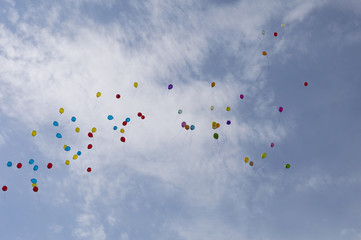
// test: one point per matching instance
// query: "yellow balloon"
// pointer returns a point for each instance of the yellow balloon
(65, 146)
(33, 133)
(212, 108)
(135, 84)
(264, 53)
(77, 129)
(246, 159)
(61, 110)
(99, 94)
(67, 162)
(228, 109)
(122, 130)
(33, 185)
(214, 124)
(251, 163)
(264, 155)
(75, 156)
(283, 25)
(94, 129)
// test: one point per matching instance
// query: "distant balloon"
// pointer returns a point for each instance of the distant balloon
(183, 124)
(275, 34)
(170, 86)
(35, 168)
(77, 129)
(251, 163)
(280, 109)
(94, 129)
(288, 166)
(50, 165)
(75, 157)
(67, 148)
(90, 146)
(135, 84)
(61, 110)
(241, 96)
(78, 153)
(180, 111)
(31, 161)
(35, 189)
(272, 145)
(122, 130)
(246, 159)
(110, 117)
(229, 122)
(115, 128)
(264, 53)
(55, 123)
(283, 25)
(9, 164)
(122, 139)
(228, 109)
(73, 119)
(306, 84)
(215, 136)
(264, 155)
(139, 114)
(192, 127)
(212, 108)
(124, 123)
(33, 133)
(99, 94)
(67, 162)
(33, 184)
(88, 169)
(213, 84)
(186, 127)
(90, 134)
(263, 32)
(19, 165)
(142, 117)
(4, 188)
(117, 96)
(58, 135)
(33, 180)
(127, 119)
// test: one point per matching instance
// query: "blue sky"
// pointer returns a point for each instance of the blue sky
(165, 182)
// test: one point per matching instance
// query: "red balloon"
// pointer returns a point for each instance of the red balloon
(280, 109)
(90, 146)
(275, 34)
(306, 84)
(272, 145)
(122, 139)
(117, 96)
(4, 188)
(50, 165)
(19, 165)
(35, 189)
(140, 114)
(143, 117)
(89, 169)
(90, 134)
(124, 123)
(241, 96)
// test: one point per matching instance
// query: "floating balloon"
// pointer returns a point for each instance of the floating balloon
(246, 159)
(77, 129)
(215, 136)
(127, 119)
(61, 110)
(124, 123)
(192, 127)
(9, 164)
(90, 146)
(33, 184)
(115, 128)
(135, 84)
(110, 117)
(283, 25)
(33, 133)
(35, 189)
(187, 127)
(275, 34)
(142, 117)
(67, 162)
(49, 166)
(180, 111)
(263, 32)
(19, 165)
(122, 130)
(183, 124)
(218, 125)
(88, 169)
(35, 168)
(272, 145)
(288, 166)
(213, 84)
(170, 86)
(264, 155)
(4, 188)
(122, 139)
(58, 135)
(212, 108)
(90, 134)
(140, 114)
(94, 129)
(214, 125)
(55, 123)
(306, 84)
(228, 109)
(229, 122)
(73, 119)
(241, 96)
(99, 94)
(251, 163)
(75, 157)
(78, 153)
(117, 96)
(33, 180)
(67, 148)
(31, 161)
(280, 109)
(264, 53)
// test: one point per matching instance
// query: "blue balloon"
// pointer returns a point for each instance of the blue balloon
(35, 167)
(115, 127)
(9, 164)
(73, 119)
(31, 161)
(127, 119)
(67, 148)
(58, 135)
(110, 117)
(33, 180)
(78, 153)
(55, 123)
(192, 127)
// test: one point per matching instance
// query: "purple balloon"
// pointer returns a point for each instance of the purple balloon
(241, 96)
(228, 122)
(183, 124)
(272, 145)
(170, 86)
(280, 109)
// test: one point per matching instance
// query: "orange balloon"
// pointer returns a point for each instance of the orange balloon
(264, 53)
(213, 84)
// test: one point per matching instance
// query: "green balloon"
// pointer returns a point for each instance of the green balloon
(180, 111)
(288, 165)
(263, 32)
(215, 136)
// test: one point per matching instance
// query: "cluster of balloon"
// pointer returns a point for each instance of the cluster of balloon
(187, 127)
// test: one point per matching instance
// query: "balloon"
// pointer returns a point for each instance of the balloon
(215, 136)
(122, 130)
(213, 84)
(35, 189)
(33, 133)
(218, 125)
(75, 157)
(180, 111)
(264, 155)
(9, 164)
(143, 117)
(280, 109)
(88, 169)
(110, 117)
(94, 129)
(67, 162)
(246, 159)
(135, 84)
(212, 108)
(67, 148)
(288, 166)
(35, 168)
(306, 84)
(55, 123)
(241, 96)
(19, 165)
(50, 165)
(90, 146)
(115, 128)
(58, 135)
(264, 53)
(229, 122)
(263, 32)
(183, 124)
(124, 123)
(170, 86)
(78, 153)
(192, 127)
(33, 180)
(127, 119)
(99, 94)
(61, 110)
(214, 125)
(272, 145)
(117, 96)
(283, 25)
(31, 161)
(90, 134)
(73, 119)
(4, 188)
(33, 184)
(251, 163)
(186, 127)
(275, 34)
(228, 109)
(122, 139)
(77, 129)
(139, 114)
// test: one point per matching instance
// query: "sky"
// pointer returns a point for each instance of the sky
(165, 182)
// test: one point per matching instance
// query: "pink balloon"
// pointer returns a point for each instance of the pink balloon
(241, 96)
(184, 124)
(272, 145)
(280, 109)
